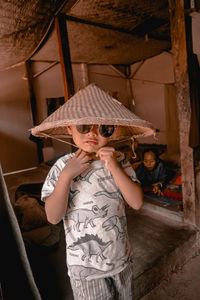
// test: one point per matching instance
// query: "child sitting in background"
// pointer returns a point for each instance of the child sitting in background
(152, 172)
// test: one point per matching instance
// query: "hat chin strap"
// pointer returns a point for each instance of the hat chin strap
(114, 143)
(133, 148)
(57, 139)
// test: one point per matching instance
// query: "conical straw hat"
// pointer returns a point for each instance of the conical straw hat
(92, 105)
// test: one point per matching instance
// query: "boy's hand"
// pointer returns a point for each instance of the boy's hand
(157, 189)
(108, 154)
(77, 164)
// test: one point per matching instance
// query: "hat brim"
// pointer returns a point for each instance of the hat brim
(56, 130)
(92, 105)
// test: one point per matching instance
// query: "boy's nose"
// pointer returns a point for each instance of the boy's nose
(94, 129)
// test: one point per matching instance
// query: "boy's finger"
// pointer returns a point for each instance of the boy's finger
(105, 150)
(85, 159)
(81, 154)
(77, 153)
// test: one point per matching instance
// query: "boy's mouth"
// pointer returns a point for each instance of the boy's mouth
(149, 168)
(92, 142)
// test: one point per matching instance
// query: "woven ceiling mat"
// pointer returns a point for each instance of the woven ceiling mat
(123, 32)
(92, 105)
(126, 14)
(23, 24)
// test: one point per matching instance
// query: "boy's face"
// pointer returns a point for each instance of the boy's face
(149, 160)
(89, 142)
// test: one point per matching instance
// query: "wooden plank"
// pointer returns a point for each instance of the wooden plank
(29, 77)
(65, 59)
(179, 52)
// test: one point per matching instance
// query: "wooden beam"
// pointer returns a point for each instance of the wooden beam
(179, 51)
(51, 65)
(147, 26)
(29, 77)
(37, 140)
(64, 52)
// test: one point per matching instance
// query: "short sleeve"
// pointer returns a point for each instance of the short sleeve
(52, 176)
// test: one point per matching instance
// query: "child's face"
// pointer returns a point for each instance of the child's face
(149, 160)
(89, 142)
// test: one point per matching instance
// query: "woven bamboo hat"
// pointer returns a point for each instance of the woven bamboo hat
(92, 105)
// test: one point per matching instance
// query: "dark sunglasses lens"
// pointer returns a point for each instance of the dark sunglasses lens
(106, 130)
(83, 128)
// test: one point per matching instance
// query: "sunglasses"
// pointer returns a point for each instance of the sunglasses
(104, 130)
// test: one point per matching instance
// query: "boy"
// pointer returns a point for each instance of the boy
(89, 194)
(87, 190)
(152, 173)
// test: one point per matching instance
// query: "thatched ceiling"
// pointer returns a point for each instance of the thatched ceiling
(100, 31)
(23, 25)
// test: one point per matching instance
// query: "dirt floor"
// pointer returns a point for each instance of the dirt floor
(182, 285)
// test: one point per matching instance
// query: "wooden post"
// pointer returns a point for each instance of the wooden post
(29, 76)
(33, 103)
(178, 37)
(65, 59)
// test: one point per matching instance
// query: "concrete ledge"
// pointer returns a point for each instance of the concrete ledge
(160, 248)
(162, 211)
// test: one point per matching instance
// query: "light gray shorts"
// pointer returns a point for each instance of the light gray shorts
(117, 287)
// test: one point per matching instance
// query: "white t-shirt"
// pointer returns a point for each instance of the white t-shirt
(97, 242)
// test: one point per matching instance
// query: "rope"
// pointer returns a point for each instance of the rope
(116, 142)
